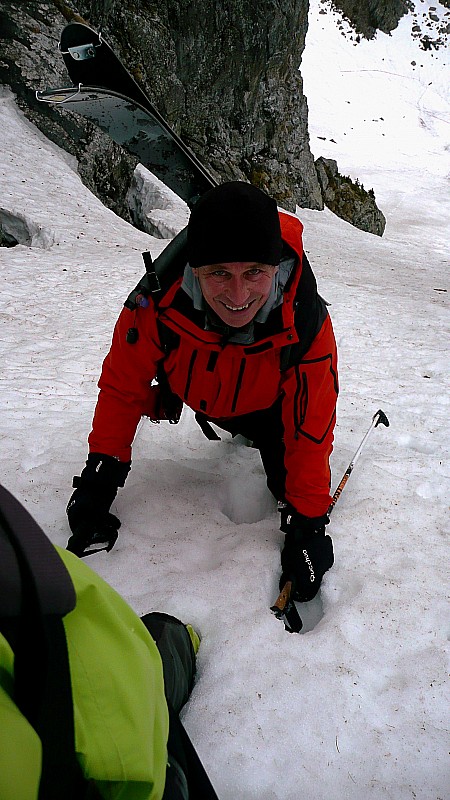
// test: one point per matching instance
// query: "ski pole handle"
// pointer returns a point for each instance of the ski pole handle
(284, 597)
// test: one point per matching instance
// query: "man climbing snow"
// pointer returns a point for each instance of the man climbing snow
(242, 337)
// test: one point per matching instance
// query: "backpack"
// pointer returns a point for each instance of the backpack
(36, 593)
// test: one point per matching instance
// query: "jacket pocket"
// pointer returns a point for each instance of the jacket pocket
(315, 398)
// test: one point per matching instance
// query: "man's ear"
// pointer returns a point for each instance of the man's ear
(195, 271)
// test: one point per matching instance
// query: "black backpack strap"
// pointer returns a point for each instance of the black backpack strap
(208, 430)
(171, 404)
(39, 592)
(161, 273)
(185, 754)
(310, 313)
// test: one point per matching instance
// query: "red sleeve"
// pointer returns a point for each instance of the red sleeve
(309, 414)
(124, 384)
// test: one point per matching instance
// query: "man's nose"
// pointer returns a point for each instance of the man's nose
(238, 290)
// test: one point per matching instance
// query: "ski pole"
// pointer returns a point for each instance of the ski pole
(284, 606)
(378, 418)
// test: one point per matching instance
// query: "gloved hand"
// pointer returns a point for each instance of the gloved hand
(93, 527)
(307, 553)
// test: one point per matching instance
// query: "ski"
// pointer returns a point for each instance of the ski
(104, 92)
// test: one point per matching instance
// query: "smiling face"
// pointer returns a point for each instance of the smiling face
(236, 290)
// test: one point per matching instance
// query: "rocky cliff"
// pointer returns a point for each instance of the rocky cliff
(223, 72)
(225, 75)
(369, 16)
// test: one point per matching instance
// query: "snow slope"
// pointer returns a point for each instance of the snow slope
(354, 707)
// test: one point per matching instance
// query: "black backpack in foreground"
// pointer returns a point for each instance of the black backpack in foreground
(36, 593)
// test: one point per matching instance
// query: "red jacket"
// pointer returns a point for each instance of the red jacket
(227, 380)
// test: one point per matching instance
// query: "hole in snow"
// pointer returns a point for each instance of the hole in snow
(246, 500)
(6, 240)
(16, 228)
(154, 207)
(310, 613)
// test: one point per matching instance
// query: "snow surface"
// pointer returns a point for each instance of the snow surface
(355, 707)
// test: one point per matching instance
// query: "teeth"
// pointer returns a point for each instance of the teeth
(236, 308)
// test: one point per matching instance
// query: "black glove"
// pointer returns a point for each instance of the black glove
(307, 553)
(93, 527)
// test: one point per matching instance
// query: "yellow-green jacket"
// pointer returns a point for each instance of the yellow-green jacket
(120, 712)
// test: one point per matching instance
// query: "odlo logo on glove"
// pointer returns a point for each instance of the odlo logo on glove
(307, 553)
(312, 577)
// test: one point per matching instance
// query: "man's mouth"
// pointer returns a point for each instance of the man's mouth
(238, 308)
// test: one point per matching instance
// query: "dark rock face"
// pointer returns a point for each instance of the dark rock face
(224, 74)
(368, 16)
(349, 200)
(432, 30)
(30, 60)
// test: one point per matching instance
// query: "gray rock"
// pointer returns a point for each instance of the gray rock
(348, 199)
(225, 76)
(368, 16)
(30, 60)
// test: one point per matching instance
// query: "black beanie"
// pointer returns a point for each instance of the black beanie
(234, 222)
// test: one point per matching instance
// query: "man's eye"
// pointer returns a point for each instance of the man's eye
(254, 271)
